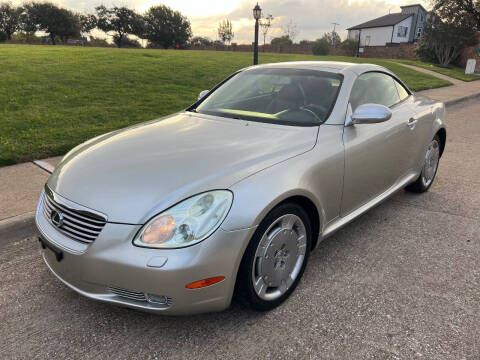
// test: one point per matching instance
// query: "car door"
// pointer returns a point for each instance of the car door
(376, 155)
(419, 126)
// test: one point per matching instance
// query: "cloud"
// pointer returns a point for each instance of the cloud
(312, 17)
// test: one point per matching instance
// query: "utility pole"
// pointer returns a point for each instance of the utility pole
(334, 26)
(333, 33)
(358, 45)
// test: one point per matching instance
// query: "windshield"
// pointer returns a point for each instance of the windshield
(277, 95)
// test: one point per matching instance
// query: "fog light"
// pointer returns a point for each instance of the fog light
(157, 299)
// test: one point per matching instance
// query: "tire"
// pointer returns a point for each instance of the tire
(275, 258)
(429, 169)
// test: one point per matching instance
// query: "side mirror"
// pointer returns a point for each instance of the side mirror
(369, 114)
(203, 94)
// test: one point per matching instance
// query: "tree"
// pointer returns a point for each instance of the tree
(88, 22)
(290, 30)
(55, 21)
(225, 31)
(332, 38)
(281, 41)
(265, 25)
(445, 37)
(28, 21)
(166, 28)
(10, 19)
(321, 46)
(458, 11)
(121, 21)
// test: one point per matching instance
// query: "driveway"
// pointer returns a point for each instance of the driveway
(401, 282)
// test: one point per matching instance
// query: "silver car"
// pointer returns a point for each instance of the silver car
(230, 196)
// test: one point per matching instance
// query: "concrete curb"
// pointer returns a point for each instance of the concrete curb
(460, 99)
(16, 219)
(17, 227)
(44, 166)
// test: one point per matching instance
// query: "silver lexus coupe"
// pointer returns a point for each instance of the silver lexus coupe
(229, 197)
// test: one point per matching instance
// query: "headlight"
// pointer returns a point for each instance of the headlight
(186, 223)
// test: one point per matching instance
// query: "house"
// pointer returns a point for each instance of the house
(402, 27)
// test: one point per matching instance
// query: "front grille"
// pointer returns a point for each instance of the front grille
(78, 225)
(128, 294)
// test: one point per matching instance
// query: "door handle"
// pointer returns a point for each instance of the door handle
(412, 122)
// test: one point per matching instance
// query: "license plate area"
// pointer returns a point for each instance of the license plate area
(46, 245)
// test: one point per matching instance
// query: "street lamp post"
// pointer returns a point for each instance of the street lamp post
(257, 13)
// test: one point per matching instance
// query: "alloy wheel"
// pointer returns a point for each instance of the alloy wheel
(432, 156)
(279, 257)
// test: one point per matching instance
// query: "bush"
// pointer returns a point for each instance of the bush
(350, 46)
(306, 42)
(425, 51)
(200, 41)
(3, 37)
(26, 38)
(282, 41)
(126, 42)
(321, 47)
(98, 42)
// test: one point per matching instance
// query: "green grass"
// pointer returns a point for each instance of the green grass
(53, 98)
(454, 71)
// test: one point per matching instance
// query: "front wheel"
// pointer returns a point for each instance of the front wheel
(276, 257)
(430, 167)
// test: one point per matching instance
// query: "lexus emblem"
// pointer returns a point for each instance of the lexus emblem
(57, 218)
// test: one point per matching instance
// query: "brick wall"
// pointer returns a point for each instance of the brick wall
(287, 49)
(404, 51)
(394, 51)
(391, 51)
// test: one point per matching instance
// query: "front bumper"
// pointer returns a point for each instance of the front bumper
(112, 269)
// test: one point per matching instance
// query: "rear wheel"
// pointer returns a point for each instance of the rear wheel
(276, 257)
(430, 167)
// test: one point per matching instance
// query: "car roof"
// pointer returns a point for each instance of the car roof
(331, 66)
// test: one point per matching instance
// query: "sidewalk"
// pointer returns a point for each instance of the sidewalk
(21, 185)
(461, 90)
(456, 93)
(20, 188)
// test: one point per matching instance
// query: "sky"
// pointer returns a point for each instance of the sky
(312, 17)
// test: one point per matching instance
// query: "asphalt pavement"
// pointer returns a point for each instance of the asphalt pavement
(400, 282)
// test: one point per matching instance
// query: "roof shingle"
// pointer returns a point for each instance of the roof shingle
(387, 20)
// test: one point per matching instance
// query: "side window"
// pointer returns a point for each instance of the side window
(402, 92)
(374, 88)
(402, 31)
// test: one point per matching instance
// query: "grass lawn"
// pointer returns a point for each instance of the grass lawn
(53, 98)
(454, 71)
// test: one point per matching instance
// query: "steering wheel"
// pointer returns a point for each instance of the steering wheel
(318, 111)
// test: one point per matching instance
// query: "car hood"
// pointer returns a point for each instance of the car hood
(132, 174)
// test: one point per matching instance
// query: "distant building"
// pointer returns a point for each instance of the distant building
(406, 26)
